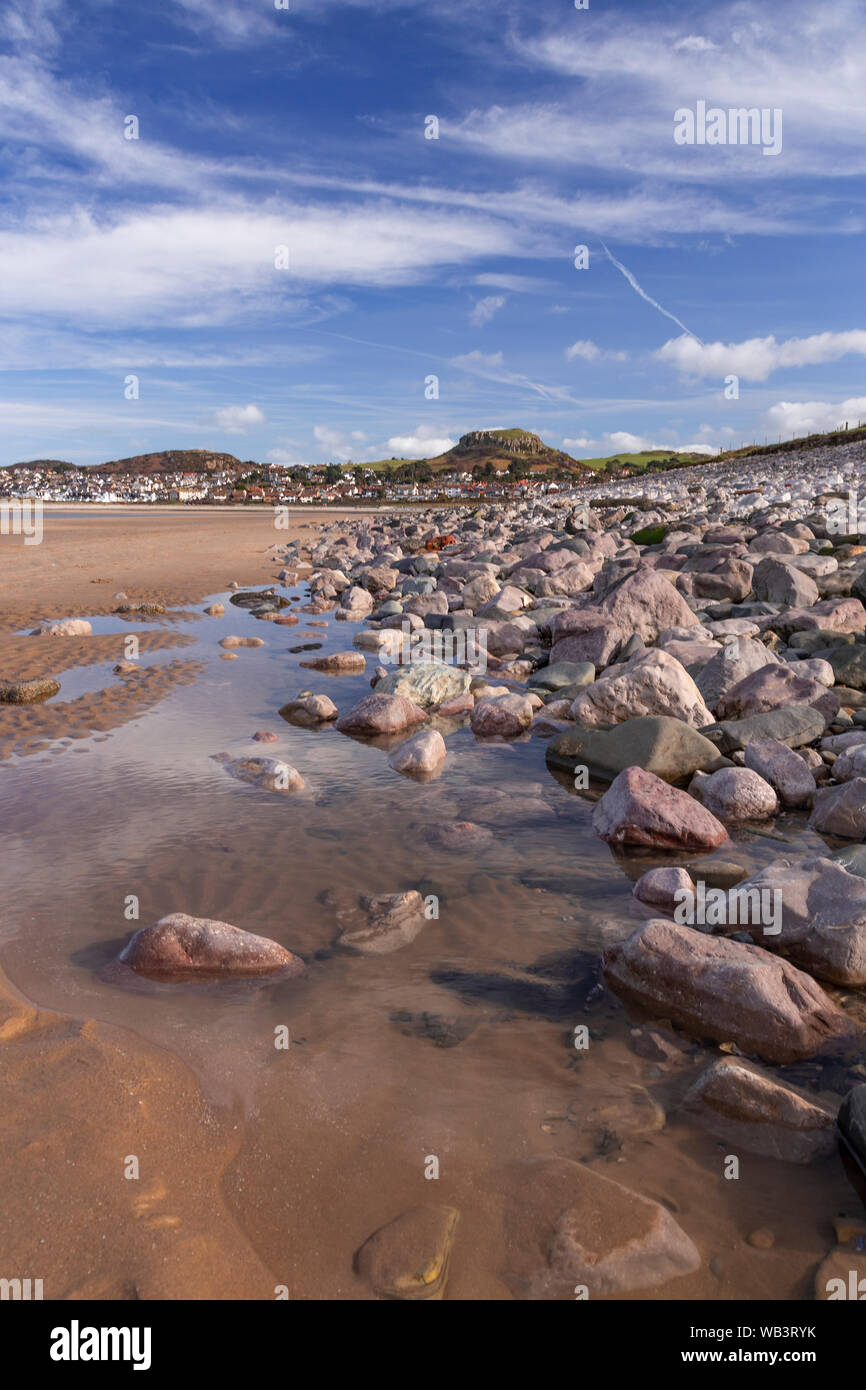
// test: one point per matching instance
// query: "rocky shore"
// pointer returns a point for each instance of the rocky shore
(693, 653)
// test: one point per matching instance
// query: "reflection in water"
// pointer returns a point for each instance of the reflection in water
(459, 1045)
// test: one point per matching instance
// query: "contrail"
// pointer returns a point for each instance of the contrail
(643, 294)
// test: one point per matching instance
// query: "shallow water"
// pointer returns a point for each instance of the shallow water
(395, 1058)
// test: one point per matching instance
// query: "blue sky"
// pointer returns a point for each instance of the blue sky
(410, 257)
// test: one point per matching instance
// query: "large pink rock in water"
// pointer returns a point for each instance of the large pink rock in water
(638, 808)
(716, 988)
(179, 946)
(381, 714)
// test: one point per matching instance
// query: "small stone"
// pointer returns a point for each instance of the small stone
(409, 1258)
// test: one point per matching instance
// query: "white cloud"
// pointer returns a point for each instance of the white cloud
(237, 419)
(582, 443)
(591, 352)
(340, 445)
(424, 443)
(814, 417)
(756, 358)
(520, 284)
(484, 309)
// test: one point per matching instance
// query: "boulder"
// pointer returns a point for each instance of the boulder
(787, 773)
(661, 745)
(338, 663)
(571, 1227)
(380, 715)
(659, 888)
(841, 810)
(382, 924)
(409, 1258)
(64, 627)
(640, 809)
(748, 1108)
(822, 917)
(716, 988)
(426, 683)
(653, 682)
(268, 773)
(179, 946)
(736, 794)
(776, 687)
(30, 692)
(775, 582)
(503, 716)
(422, 754)
(735, 661)
(309, 710)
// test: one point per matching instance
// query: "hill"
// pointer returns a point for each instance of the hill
(502, 448)
(172, 461)
(49, 465)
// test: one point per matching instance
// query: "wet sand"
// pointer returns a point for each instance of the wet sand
(261, 1167)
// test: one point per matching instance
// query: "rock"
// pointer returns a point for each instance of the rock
(841, 810)
(652, 683)
(380, 714)
(728, 667)
(230, 642)
(264, 736)
(646, 603)
(409, 1257)
(30, 692)
(383, 924)
(179, 946)
(776, 582)
(717, 988)
(736, 794)
(338, 663)
(716, 873)
(661, 745)
(852, 858)
(216, 610)
(459, 705)
(426, 683)
(786, 772)
(228, 656)
(795, 726)
(503, 716)
(422, 753)
(658, 888)
(849, 665)
(455, 837)
(309, 710)
(570, 1227)
(562, 673)
(64, 627)
(776, 687)
(822, 925)
(762, 1238)
(357, 601)
(268, 773)
(749, 1109)
(842, 1275)
(640, 809)
(126, 668)
(852, 1123)
(149, 610)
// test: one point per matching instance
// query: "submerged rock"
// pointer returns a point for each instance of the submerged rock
(180, 946)
(569, 1226)
(409, 1257)
(716, 988)
(382, 924)
(269, 773)
(749, 1108)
